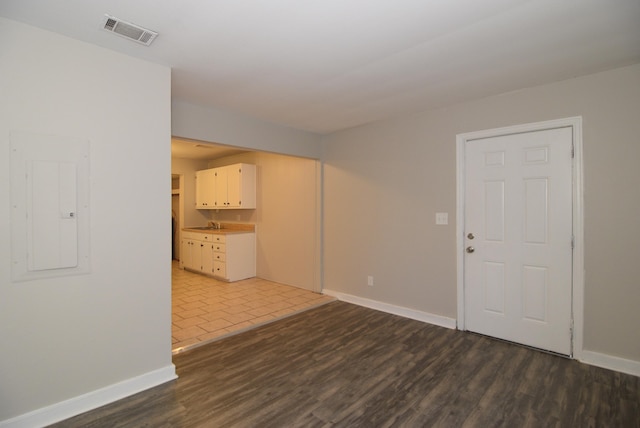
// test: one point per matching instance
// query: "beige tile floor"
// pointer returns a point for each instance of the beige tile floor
(205, 309)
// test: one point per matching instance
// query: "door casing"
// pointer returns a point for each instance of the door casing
(578, 216)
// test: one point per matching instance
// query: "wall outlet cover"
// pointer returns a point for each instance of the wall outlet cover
(442, 218)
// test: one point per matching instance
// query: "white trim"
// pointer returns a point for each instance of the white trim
(318, 256)
(413, 314)
(92, 400)
(460, 180)
(578, 216)
(610, 362)
(578, 232)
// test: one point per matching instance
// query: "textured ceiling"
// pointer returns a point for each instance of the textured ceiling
(327, 65)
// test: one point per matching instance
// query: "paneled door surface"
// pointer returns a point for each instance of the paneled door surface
(518, 238)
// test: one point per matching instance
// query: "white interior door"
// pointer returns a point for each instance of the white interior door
(518, 238)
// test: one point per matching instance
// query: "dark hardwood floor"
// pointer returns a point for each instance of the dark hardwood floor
(346, 366)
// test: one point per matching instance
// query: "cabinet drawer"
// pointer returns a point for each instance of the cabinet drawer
(192, 235)
(219, 238)
(220, 269)
(219, 257)
(219, 248)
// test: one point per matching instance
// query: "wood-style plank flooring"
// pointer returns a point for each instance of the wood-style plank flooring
(342, 365)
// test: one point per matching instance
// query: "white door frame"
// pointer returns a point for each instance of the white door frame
(578, 216)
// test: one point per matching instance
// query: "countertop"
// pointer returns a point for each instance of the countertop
(225, 229)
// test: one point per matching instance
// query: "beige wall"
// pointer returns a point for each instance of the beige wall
(287, 218)
(217, 126)
(385, 181)
(68, 337)
(185, 202)
(187, 168)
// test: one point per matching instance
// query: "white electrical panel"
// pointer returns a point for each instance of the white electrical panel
(49, 206)
(52, 225)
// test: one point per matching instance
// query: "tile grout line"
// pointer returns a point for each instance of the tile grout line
(199, 302)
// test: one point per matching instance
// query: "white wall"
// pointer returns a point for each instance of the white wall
(287, 218)
(68, 338)
(385, 181)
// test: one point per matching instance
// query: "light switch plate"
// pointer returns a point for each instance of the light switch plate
(442, 218)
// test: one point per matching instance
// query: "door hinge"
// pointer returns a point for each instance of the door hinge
(573, 242)
(571, 330)
(573, 151)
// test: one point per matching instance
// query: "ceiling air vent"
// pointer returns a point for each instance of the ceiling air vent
(128, 30)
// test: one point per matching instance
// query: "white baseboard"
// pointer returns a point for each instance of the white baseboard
(610, 362)
(587, 357)
(438, 320)
(92, 400)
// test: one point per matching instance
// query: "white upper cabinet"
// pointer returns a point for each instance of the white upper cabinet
(205, 180)
(220, 190)
(241, 186)
(227, 187)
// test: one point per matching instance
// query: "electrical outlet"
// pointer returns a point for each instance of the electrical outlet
(370, 281)
(442, 218)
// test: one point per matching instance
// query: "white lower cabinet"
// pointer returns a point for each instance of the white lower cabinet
(197, 252)
(229, 257)
(207, 258)
(234, 256)
(188, 259)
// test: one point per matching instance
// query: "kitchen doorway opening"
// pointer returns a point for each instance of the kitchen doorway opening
(288, 243)
(177, 213)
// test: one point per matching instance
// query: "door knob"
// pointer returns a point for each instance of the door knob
(470, 236)
(470, 249)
